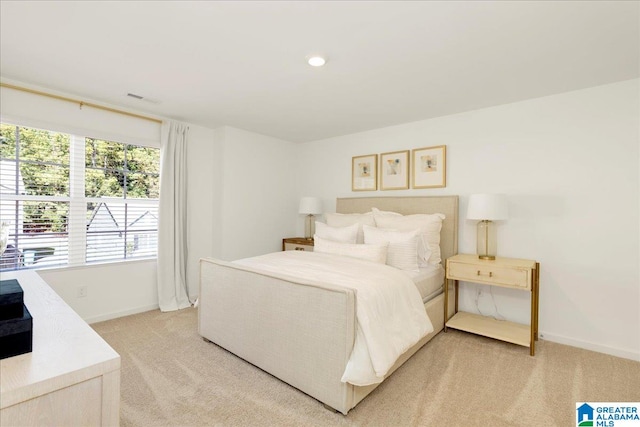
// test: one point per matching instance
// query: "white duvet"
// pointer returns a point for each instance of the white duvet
(391, 317)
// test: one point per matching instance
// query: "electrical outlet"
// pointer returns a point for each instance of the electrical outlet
(82, 292)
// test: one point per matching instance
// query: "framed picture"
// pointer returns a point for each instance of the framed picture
(394, 170)
(429, 167)
(364, 173)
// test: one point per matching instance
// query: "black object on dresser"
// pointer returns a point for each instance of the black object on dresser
(16, 324)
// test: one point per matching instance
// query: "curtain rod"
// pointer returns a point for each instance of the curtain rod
(81, 103)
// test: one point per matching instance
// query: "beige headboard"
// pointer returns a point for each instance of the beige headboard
(447, 205)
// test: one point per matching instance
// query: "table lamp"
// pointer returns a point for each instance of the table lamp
(310, 206)
(487, 208)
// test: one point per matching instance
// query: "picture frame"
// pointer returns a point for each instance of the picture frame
(394, 170)
(429, 166)
(364, 173)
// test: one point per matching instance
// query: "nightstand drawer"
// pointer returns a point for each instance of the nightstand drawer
(512, 277)
(297, 247)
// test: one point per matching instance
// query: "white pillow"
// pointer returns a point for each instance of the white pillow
(374, 253)
(403, 246)
(342, 220)
(347, 234)
(378, 212)
(429, 226)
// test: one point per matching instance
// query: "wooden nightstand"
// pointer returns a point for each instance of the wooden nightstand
(297, 244)
(511, 273)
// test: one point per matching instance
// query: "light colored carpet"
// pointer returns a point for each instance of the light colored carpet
(171, 377)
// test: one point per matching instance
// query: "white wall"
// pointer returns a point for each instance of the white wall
(257, 202)
(201, 201)
(37, 111)
(113, 290)
(569, 164)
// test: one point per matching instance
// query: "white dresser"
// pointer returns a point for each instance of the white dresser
(72, 376)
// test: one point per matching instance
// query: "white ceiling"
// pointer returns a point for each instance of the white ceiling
(243, 63)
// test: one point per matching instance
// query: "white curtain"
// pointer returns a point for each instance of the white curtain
(173, 291)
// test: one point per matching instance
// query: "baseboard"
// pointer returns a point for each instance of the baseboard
(115, 315)
(613, 351)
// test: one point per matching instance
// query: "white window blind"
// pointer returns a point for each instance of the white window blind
(71, 200)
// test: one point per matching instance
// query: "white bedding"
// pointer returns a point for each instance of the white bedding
(429, 281)
(389, 309)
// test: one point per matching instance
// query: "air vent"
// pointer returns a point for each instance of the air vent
(142, 98)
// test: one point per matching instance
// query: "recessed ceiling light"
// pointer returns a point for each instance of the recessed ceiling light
(316, 61)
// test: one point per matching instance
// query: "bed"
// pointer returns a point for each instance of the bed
(303, 331)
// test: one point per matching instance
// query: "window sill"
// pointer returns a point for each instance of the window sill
(97, 265)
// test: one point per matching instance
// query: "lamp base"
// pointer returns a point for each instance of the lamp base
(309, 227)
(487, 241)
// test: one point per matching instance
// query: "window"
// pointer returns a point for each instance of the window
(72, 200)
(121, 186)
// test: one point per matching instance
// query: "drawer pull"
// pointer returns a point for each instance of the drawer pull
(490, 273)
(299, 248)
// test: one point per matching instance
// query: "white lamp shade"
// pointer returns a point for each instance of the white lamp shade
(491, 207)
(310, 205)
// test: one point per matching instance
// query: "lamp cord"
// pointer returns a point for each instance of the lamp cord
(478, 291)
(497, 315)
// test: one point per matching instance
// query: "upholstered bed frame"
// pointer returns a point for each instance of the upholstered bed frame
(303, 331)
